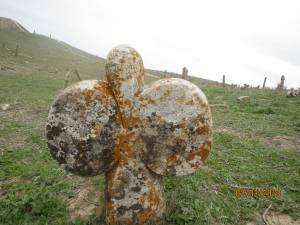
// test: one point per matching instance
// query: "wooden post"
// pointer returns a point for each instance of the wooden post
(3, 45)
(17, 50)
(78, 74)
(282, 81)
(67, 78)
(224, 80)
(264, 84)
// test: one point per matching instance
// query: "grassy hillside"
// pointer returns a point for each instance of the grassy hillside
(45, 55)
(9, 24)
(256, 145)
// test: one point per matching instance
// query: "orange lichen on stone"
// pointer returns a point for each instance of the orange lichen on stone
(203, 130)
(171, 160)
(196, 165)
(204, 150)
(124, 146)
(192, 156)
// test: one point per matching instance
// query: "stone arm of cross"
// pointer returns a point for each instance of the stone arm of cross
(131, 134)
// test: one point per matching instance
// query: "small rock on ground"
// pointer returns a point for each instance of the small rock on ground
(243, 99)
(5, 107)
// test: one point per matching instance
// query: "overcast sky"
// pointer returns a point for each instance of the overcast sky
(246, 40)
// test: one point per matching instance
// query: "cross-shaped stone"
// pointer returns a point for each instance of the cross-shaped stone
(131, 134)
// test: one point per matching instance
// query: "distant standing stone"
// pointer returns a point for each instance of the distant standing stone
(185, 73)
(280, 86)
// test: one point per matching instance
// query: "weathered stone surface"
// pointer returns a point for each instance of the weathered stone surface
(293, 93)
(132, 135)
(176, 127)
(134, 195)
(82, 126)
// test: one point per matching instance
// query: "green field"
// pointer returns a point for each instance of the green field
(256, 145)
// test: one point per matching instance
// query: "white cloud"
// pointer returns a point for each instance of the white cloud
(245, 40)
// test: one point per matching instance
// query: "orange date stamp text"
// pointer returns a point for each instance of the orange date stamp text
(258, 192)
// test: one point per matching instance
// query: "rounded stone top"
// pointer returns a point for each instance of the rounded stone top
(125, 71)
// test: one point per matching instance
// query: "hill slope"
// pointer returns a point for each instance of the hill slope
(10, 24)
(41, 53)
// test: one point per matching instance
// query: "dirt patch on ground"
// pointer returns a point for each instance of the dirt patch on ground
(282, 142)
(86, 201)
(230, 131)
(17, 141)
(273, 218)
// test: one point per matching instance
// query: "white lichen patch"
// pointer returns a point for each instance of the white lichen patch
(82, 117)
(177, 126)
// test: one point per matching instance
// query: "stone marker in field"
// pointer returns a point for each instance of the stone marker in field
(280, 86)
(131, 134)
(184, 73)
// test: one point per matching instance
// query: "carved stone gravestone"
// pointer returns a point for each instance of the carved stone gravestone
(132, 135)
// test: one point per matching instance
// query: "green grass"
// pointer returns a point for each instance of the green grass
(48, 55)
(234, 162)
(34, 190)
